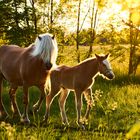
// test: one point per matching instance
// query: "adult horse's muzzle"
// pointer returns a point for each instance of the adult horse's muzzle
(48, 65)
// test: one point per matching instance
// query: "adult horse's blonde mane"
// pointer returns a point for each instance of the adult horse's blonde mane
(46, 48)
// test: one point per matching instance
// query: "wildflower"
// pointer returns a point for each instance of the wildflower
(98, 95)
(114, 106)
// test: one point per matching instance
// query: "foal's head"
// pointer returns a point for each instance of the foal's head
(104, 66)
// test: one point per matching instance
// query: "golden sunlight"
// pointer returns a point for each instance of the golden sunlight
(57, 1)
(133, 3)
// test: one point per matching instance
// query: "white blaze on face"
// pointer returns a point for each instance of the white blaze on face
(107, 64)
(109, 69)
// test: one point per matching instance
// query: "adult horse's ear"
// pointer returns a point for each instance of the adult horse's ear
(39, 38)
(53, 36)
(106, 56)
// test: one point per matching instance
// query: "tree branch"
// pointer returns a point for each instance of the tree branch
(131, 25)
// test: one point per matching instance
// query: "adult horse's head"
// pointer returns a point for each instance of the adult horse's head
(46, 48)
(104, 66)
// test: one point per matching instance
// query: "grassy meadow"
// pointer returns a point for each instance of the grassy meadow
(114, 116)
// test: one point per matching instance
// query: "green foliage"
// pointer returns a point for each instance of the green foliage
(84, 38)
(14, 17)
(111, 36)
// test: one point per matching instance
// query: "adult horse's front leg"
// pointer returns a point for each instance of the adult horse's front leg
(26, 105)
(37, 105)
(3, 113)
(15, 109)
(62, 100)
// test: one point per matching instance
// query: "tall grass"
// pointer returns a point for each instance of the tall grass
(114, 115)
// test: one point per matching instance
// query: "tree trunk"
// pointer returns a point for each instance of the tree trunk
(26, 15)
(16, 14)
(77, 34)
(51, 17)
(130, 71)
(34, 15)
(92, 31)
(16, 27)
(132, 48)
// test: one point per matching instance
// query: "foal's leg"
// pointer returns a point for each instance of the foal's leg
(26, 105)
(3, 113)
(12, 93)
(62, 100)
(49, 99)
(37, 105)
(89, 99)
(78, 101)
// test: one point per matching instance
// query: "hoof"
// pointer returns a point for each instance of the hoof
(35, 109)
(25, 121)
(44, 122)
(65, 124)
(81, 125)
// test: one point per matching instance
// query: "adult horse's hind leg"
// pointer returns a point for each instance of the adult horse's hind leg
(62, 100)
(3, 113)
(26, 105)
(12, 93)
(37, 105)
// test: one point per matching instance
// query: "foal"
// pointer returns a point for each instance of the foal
(80, 79)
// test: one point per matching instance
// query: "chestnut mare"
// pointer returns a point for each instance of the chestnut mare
(27, 67)
(79, 78)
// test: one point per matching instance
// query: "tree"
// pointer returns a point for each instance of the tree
(78, 31)
(94, 7)
(16, 22)
(14, 28)
(34, 16)
(97, 5)
(133, 23)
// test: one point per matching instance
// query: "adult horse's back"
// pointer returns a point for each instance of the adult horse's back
(27, 67)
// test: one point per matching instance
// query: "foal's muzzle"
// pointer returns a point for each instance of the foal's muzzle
(110, 75)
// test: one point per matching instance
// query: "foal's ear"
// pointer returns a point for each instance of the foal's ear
(39, 38)
(97, 56)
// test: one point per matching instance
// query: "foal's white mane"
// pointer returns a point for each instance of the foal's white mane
(46, 48)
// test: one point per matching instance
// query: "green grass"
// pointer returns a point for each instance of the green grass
(114, 116)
